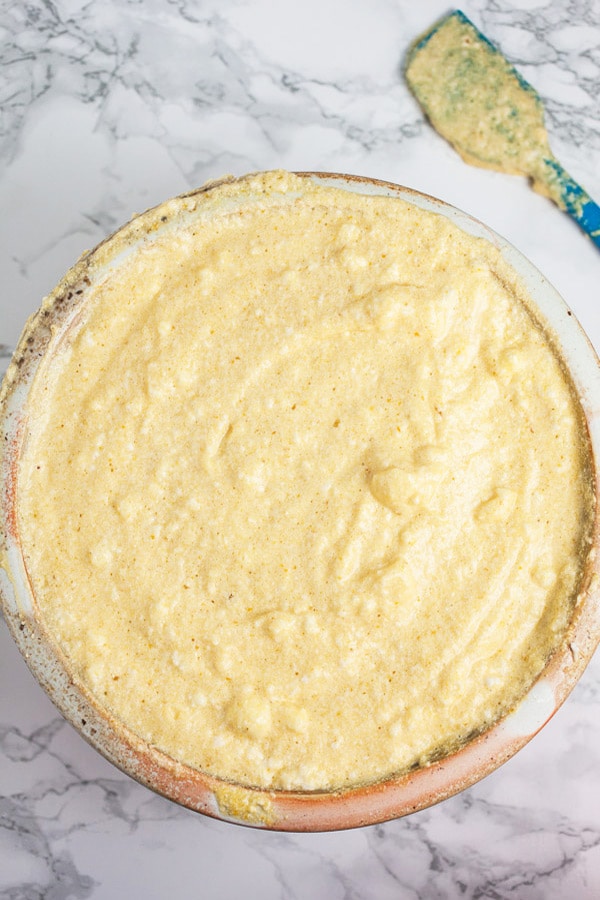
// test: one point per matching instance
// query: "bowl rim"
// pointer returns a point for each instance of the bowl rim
(313, 811)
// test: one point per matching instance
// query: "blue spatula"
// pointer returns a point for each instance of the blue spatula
(478, 101)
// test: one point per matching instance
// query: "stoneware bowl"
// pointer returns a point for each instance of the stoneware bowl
(291, 811)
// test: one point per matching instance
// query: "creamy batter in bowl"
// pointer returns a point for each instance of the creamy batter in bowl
(299, 500)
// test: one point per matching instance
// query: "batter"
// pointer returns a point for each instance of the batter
(304, 494)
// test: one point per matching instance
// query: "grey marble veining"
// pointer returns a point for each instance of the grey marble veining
(108, 107)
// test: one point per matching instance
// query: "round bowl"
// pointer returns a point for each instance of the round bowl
(284, 810)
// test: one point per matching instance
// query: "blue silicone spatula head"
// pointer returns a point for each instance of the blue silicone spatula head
(478, 101)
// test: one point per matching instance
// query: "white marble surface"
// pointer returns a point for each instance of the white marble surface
(109, 106)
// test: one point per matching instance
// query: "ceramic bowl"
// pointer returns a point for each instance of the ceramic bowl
(292, 811)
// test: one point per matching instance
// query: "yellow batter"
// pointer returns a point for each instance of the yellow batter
(304, 495)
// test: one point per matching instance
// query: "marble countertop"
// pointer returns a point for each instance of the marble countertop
(109, 107)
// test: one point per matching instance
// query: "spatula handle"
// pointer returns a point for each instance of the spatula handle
(571, 197)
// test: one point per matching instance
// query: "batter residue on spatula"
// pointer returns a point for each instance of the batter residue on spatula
(477, 101)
